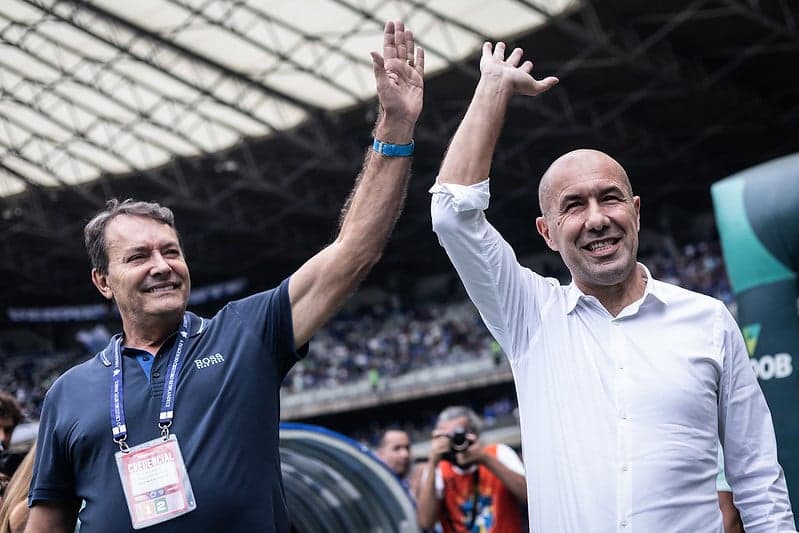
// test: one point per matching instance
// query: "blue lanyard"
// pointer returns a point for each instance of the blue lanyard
(118, 427)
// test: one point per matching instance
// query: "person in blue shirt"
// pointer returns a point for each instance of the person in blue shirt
(174, 425)
(394, 449)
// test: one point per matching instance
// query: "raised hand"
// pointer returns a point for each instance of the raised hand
(439, 445)
(508, 72)
(473, 454)
(399, 74)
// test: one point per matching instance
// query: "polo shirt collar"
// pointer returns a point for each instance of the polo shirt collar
(653, 290)
(197, 326)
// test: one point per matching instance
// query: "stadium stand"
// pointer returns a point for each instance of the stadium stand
(257, 152)
(416, 350)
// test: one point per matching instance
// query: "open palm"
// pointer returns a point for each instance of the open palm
(512, 75)
(399, 73)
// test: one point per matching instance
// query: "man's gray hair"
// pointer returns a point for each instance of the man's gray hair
(94, 232)
(459, 411)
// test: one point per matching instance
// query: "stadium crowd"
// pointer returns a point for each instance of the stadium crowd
(394, 339)
(377, 341)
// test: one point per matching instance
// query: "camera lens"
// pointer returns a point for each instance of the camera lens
(458, 441)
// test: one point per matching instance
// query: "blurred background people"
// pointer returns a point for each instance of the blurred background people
(10, 417)
(14, 508)
(394, 449)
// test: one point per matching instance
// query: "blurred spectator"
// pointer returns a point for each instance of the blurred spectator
(93, 339)
(14, 507)
(394, 449)
(374, 379)
(10, 417)
(385, 339)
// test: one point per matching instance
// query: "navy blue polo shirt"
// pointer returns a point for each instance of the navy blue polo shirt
(226, 419)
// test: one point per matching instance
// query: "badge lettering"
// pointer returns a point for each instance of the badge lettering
(155, 460)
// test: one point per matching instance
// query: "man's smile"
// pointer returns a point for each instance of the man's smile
(601, 246)
(162, 287)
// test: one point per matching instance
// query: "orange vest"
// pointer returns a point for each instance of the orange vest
(497, 509)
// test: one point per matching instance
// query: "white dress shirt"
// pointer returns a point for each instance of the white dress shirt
(620, 416)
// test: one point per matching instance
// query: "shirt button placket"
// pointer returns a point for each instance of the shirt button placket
(624, 479)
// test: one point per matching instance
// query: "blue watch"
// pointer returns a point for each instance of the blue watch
(393, 150)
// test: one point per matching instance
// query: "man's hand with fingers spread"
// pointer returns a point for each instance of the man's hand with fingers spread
(509, 73)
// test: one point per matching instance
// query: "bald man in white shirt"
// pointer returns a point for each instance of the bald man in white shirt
(625, 383)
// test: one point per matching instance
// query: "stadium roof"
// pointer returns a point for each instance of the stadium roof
(250, 118)
(110, 87)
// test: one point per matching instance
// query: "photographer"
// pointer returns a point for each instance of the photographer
(474, 488)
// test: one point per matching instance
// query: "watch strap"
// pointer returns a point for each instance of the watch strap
(393, 150)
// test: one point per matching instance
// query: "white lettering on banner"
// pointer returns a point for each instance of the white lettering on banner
(775, 366)
(205, 362)
(155, 460)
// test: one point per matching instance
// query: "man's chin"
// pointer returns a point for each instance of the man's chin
(167, 310)
(610, 273)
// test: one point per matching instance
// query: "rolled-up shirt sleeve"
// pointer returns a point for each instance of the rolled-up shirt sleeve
(747, 436)
(498, 285)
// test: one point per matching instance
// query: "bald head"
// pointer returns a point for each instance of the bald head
(591, 218)
(584, 161)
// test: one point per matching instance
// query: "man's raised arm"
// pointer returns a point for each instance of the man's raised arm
(486, 264)
(321, 285)
(468, 159)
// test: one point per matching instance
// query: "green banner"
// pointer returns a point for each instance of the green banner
(757, 214)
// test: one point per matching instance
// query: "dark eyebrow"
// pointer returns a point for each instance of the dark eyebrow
(145, 248)
(135, 249)
(569, 198)
(611, 189)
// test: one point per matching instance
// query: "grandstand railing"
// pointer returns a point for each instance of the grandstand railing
(417, 384)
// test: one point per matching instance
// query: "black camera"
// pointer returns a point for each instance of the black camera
(459, 441)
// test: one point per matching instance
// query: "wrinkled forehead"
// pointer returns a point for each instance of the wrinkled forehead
(577, 167)
(126, 230)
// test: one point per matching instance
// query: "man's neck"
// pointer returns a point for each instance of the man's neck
(148, 335)
(615, 298)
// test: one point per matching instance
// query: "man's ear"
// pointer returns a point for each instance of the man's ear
(543, 230)
(101, 282)
(637, 205)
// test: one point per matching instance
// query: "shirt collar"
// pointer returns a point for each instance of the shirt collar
(653, 289)
(573, 295)
(197, 325)
(467, 470)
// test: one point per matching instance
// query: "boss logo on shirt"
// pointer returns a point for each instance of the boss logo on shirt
(205, 362)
